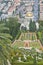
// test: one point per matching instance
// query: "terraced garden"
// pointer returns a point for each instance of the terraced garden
(27, 55)
(30, 37)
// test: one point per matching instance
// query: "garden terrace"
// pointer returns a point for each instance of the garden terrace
(28, 36)
(20, 43)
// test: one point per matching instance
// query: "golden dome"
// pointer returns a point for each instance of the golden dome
(28, 14)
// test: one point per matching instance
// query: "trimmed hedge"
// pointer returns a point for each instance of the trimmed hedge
(40, 63)
(22, 63)
(27, 63)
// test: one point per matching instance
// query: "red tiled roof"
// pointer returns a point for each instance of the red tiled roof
(11, 8)
(14, 6)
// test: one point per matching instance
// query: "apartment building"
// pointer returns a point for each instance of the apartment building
(31, 9)
(13, 7)
(41, 10)
(7, 7)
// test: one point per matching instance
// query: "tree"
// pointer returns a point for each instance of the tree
(32, 26)
(14, 26)
(5, 49)
(40, 25)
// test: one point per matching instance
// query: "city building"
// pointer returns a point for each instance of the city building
(41, 10)
(28, 9)
(7, 8)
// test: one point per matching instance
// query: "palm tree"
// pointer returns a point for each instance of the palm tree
(5, 49)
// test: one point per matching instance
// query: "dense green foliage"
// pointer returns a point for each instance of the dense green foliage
(30, 57)
(13, 26)
(32, 26)
(40, 25)
(40, 32)
(5, 42)
(40, 36)
(8, 31)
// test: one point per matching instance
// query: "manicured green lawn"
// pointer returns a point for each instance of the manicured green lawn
(19, 44)
(35, 45)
